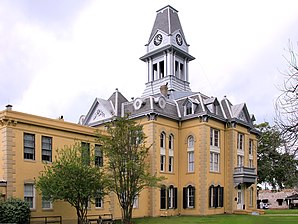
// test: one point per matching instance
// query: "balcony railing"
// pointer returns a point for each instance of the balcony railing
(244, 175)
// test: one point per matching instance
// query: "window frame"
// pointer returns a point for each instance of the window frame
(190, 154)
(250, 147)
(26, 146)
(240, 141)
(163, 197)
(49, 202)
(213, 162)
(189, 197)
(85, 155)
(215, 137)
(240, 160)
(98, 155)
(43, 149)
(162, 142)
(171, 164)
(162, 163)
(136, 202)
(216, 196)
(31, 197)
(190, 161)
(97, 201)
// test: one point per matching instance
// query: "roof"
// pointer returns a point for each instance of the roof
(166, 20)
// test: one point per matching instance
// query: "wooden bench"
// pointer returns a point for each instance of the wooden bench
(48, 219)
(100, 219)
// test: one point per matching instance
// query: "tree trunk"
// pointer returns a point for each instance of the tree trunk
(126, 215)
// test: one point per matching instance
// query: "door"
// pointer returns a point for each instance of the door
(240, 199)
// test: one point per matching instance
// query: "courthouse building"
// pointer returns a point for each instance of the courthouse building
(204, 146)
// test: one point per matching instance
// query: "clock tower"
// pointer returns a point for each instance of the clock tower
(167, 54)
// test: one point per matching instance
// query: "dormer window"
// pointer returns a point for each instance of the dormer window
(188, 108)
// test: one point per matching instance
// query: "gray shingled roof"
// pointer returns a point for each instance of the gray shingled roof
(167, 20)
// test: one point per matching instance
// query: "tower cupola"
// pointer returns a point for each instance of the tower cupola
(167, 54)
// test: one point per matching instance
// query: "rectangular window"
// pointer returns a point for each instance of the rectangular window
(98, 202)
(98, 156)
(46, 204)
(251, 196)
(85, 153)
(216, 196)
(162, 162)
(214, 162)
(190, 161)
(250, 148)
(251, 164)
(163, 197)
(171, 164)
(46, 148)
(170, 197)
(279, 201)
(29, 195)
(29, 146)
(136, 202)
(191, 197)
(240, 141)
(214, 137)
(240, 161)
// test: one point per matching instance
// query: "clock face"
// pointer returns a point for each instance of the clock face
(157, 39)
(179, 39)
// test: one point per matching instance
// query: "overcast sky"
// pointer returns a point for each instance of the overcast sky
(56, 57)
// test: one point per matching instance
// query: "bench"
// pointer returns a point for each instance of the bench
(100, 219)
(48, 219)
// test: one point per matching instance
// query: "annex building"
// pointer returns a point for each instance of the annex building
(206, 147)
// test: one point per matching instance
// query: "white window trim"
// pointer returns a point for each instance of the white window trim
(136, 202)
(101, 207)
(190, 168)
(212, 136)
(171, 197)
(49, 201)
(188, 197)
(34, 195)
(240, 145)
(238, 160)
(162, 165)
(212, 167)
(171, 164)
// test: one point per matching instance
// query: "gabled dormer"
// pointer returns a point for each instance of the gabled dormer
(189, 106)
(240, 112)
(213, 106)
(103, 110)
(167, 54)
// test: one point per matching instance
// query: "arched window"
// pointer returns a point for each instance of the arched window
(189, 197)
(190, 153)
(171, 142)
(190, 141)
(162, 140)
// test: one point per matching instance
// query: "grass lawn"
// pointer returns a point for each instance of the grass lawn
(271, 217)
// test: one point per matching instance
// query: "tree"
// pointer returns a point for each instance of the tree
(276, 165)
(287, 103)
(128, 171)
(74, 178)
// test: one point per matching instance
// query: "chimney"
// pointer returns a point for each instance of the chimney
(164, 90)
(8, 107)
